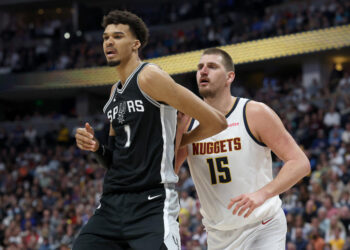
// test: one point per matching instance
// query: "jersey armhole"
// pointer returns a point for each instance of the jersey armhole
(111, 97)
(147, 97)
(247, 126)
(191, 125)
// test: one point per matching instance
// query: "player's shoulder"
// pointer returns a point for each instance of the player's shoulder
(261, 117)
(151, 69)
(255, 108)
(114, 86)
(151, 74)
(152, 66)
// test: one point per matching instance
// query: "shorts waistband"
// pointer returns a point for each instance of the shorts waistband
(169, 185)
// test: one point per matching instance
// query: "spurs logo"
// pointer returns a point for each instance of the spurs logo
(121, 112)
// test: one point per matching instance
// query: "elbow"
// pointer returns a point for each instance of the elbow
(306, 166)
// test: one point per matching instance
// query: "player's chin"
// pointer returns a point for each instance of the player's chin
(204, 92)
(113, 63)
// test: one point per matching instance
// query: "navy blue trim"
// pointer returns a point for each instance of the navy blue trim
(191, 125)
(233, 107)
(247, 127)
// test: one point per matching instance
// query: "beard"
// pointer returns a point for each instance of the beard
(206, 93)
(113, 63)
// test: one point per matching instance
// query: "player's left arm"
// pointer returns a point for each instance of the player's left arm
(161, 87)
(268, 128)
(183, 123)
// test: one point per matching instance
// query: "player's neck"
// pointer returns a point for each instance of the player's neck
(223, 104)
(126, 68)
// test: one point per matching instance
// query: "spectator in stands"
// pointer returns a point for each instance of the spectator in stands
(345, 136)
(299, 241)
(332, 117)
(316, 240)
(63, 135)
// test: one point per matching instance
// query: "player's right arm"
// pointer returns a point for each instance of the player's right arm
(86, 140)
(160, 86)
(268, 128)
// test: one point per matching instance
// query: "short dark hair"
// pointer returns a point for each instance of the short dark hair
(226, 58)
(136, 24)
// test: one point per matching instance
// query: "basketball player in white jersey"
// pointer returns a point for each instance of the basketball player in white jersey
(232, 171)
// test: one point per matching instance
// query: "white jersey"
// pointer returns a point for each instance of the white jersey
(228, 164)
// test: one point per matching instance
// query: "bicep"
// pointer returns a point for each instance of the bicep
(269, 129)
(161, 87)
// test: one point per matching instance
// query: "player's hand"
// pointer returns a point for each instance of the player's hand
(182, 122)
(246, 203)
(85, 138)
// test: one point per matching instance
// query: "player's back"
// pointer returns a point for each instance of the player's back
(228, 164)
(145, 135)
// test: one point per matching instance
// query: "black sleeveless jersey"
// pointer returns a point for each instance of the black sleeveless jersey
(143, 157)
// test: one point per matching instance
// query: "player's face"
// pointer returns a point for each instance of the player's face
(118, 43)
(211, 75)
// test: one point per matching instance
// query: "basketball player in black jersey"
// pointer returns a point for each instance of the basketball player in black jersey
(139, 205)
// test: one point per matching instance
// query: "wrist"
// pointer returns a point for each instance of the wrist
(266, 193)
(100, 150)
(97, 146)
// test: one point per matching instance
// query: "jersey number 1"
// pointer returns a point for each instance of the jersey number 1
(222, 169)
(128, 132)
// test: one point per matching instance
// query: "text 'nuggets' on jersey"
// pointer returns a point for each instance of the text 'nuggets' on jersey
(222, 146)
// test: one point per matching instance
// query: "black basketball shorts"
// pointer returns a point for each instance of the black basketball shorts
(139, 221)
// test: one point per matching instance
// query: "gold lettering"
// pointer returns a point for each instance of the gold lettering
(195, 148)
(210, 147)
(202, 148)
(229, 144)
(237, 142)
(216, 147)
(223, 146)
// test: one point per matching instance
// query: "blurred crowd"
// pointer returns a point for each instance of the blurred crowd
(48, 43)
(49, 188)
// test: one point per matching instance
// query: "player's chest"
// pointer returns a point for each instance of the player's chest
(229, 141)
(124, 108)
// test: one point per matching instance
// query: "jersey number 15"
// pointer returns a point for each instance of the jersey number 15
(221, 169)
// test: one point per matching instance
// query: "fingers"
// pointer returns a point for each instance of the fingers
(89, 128)
(243, 205)
(233, 201)
(82, 132)
(85, 140)
(251, 209)
(244, 208)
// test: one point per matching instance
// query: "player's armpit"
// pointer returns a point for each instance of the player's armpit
(111, 130)
(183, 122)
(180, 157)
(161, 87)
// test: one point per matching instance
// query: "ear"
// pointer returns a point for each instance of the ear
(230, 77)
(136, 45)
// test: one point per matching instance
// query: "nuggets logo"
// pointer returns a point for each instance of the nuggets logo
(222, 146)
